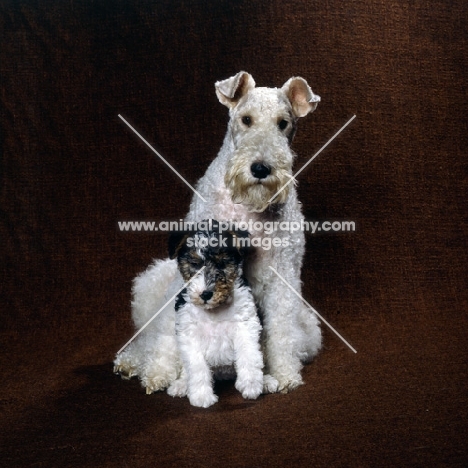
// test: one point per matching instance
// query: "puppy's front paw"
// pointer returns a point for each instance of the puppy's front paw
(250, 388)
(270, 384)
(203, 398)
(178, 388)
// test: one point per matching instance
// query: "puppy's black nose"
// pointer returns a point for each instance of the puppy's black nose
(206, 295)
(260, 170)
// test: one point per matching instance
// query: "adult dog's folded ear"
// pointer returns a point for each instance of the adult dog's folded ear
(230, 91)
(301, 97)
(177, 240)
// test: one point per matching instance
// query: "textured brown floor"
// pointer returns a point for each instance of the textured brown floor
(396, 288)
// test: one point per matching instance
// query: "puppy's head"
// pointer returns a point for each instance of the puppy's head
(221, 254)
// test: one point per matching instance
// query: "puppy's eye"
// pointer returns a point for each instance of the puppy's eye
(247, 120)
(282, 124)
(195, 262)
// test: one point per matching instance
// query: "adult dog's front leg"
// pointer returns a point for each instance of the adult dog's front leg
(280, 335)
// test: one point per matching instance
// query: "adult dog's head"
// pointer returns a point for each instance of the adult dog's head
(261, 127)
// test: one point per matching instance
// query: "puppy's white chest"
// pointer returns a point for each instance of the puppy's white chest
(212, 333)
(217, 340)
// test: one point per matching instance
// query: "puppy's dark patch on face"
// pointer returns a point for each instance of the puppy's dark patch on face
(222, 260)
(224, 282)
(180, 300)
(189, 262)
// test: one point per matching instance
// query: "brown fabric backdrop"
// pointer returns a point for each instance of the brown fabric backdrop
(70, 170)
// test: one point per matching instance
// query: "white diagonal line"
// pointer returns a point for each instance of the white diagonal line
(159, 311)
(293, 178)
(160, 157)
(313, 310)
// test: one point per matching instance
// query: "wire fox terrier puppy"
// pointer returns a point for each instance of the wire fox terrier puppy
(249, 182)
(217, 326)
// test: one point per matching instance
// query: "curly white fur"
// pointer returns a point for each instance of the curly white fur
(227, 338)
(291, 333)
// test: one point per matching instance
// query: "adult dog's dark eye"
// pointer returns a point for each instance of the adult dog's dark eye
(246, 120)
(282, 124)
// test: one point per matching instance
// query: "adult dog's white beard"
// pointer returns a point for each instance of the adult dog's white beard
(254, 193)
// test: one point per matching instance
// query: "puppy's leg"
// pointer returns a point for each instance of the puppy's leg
(200, 383)
(248, 359)
(199, 377)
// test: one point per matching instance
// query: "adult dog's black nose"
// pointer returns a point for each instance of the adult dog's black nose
(206, 295)
(260, 170)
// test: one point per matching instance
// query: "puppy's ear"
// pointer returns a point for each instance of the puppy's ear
(240, 240)
(177, 240)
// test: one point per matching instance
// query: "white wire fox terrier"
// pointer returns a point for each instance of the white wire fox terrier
(217, 327)
(249, 181)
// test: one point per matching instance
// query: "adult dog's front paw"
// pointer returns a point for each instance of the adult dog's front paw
(125, 366)
(157, 377)
(288, 383)
(178, 388)
(125, 372)
(155, 384)
(270, 384)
